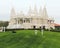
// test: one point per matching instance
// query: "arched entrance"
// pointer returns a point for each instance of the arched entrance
(34, 27)
(44, 27)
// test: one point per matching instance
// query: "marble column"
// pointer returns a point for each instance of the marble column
(30, 20)
(17, 22)
(23, 20)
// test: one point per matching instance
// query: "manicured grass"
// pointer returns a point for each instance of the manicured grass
(27, 39)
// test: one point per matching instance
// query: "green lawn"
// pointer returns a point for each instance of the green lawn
(27, 39)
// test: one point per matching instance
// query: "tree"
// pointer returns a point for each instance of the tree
(4, 23)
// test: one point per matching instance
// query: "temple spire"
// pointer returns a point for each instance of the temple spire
(44, 2)
(35, 10)
(30, 11)
(13, 13)
(44, 12)
(40, 11)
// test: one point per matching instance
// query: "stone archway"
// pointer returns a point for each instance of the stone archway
(34, 27)
(44, 27)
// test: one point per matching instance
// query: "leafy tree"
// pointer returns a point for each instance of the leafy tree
(4, 23)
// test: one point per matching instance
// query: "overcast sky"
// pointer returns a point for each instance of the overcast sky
(53, 7)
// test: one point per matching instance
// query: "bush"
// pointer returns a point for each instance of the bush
(13, 31)
(55, 30)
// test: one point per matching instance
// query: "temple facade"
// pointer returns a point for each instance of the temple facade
(33, 19)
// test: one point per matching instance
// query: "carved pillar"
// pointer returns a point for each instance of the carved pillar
(17, 21)
(23, 20)
(30, 20)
